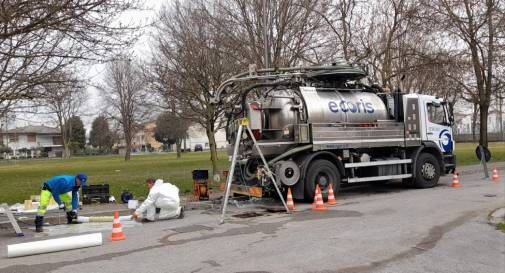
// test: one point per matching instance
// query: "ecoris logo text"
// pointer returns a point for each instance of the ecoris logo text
(344, 106)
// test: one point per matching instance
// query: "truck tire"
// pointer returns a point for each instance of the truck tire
(325, 172)
(427, 171)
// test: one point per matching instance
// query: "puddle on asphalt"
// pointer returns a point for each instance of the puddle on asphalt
(56, 230)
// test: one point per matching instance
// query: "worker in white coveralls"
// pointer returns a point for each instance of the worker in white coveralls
(162, 202)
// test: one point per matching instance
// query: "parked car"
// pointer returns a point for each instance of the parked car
(198, 147)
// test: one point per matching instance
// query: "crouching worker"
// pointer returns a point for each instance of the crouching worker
(162, 202)
(58, 187)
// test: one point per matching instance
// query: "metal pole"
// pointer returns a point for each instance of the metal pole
(230, 172)
(269, 172)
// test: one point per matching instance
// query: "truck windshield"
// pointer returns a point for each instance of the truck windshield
(436, 114)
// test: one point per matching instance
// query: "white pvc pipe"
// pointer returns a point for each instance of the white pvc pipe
(60, 244)
(83, 219)
(125, 218)
(98, 219)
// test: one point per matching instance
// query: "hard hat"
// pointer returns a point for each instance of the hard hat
(83, 178)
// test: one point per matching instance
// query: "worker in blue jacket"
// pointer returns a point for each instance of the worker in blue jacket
(58, 187)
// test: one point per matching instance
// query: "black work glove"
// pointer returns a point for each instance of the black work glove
(71, 216)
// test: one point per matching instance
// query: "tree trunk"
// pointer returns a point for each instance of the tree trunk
(64, 137)
(213, 148)
(64, 142)
(128, 147)
(500, 113)
(484, 108)
(474, 121)
(178, 145)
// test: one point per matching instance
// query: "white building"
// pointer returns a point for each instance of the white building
(197, 135)
(463, 114)
(463, 124)
(32, 141)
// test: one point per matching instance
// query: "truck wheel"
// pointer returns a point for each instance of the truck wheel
(322, 172)
(427, 171)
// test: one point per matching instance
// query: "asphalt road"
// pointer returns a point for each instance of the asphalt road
(373, 229)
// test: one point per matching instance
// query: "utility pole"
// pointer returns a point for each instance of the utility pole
(265, 34)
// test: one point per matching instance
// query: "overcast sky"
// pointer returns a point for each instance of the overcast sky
(141, 49)
(96, 72)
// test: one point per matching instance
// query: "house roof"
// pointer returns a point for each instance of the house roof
(34, 129)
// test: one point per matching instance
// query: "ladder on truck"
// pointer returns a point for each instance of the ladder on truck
(12, 219)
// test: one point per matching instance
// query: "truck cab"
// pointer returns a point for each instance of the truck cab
(433, 127)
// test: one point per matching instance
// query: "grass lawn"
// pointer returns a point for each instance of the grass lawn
(465, 153)
(22, 178)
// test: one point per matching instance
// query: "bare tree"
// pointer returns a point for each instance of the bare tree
(286, 32)
(190, 49)
(63, 98)
(385, 36)
(125, 94)
(39, 39)
(171, 125)
(477, 24)
(499, 100)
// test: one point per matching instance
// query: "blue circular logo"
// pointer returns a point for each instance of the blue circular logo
(445, 141)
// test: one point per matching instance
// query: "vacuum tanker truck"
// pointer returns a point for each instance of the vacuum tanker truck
(325, 125)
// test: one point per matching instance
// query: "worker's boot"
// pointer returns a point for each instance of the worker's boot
(71, 216)
(39, 221)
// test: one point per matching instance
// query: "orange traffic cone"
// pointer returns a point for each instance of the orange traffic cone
(319, 205)
(315, 199)
(455, 180)
(331, 196)
(290, 203)
(117, 229)
(495, 177)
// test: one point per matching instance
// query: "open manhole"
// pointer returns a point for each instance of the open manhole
(247, 215)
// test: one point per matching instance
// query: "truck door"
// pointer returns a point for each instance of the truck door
(437, 126)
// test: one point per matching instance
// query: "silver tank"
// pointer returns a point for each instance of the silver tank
(277, 113)
(347, 106)
(280, 109)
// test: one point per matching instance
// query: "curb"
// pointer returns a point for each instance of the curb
(497, 216)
